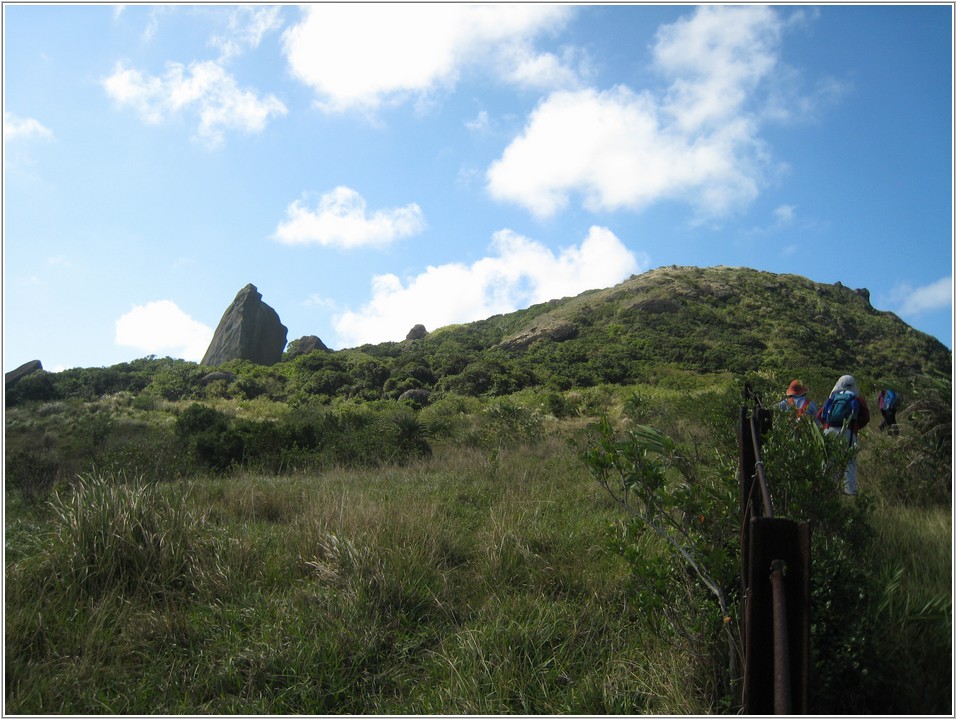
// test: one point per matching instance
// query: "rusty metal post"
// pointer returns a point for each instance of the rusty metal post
(782, 660)
(776, 609)
(759, 468)
(777, 634)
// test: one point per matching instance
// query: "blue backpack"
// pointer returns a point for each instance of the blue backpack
(841, 408)
(890, 400)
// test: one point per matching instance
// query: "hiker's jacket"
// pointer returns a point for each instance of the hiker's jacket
(801, 405)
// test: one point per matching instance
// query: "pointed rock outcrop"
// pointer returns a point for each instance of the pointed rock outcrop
(14, 376)
(250, 330)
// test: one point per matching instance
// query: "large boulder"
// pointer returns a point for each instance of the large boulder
(250, 330)
(419, 396)
(14, 376)
(304, 345)
(417, 332)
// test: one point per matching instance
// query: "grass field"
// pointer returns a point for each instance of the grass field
(477, 580)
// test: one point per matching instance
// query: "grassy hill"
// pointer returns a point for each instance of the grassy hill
(689, 320)
(708, 320)
(296, 540)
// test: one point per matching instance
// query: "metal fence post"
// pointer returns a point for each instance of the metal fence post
(775, 582)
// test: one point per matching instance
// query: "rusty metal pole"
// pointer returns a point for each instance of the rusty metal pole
(782, 653)
(776, 644)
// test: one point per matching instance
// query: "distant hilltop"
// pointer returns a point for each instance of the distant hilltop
(719, 319)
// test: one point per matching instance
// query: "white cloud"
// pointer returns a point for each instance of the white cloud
(784, 215)
(480, 122)
(203, 88)
(161, 327)
(340, 219)
(716, 58)
(18, 128)
(247, 25)
(612, 148)
(357, 55)
(789, 250)
(618, 149)
(914, 301)
(519, 272)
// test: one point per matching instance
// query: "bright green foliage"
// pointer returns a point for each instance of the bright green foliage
(667, 497)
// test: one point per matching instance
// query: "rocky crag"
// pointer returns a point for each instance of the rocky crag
(249, 330)
(14, 376)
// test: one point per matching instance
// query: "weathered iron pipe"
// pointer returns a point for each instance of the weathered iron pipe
(782, 657)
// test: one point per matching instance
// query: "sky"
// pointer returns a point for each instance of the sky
(370, 167)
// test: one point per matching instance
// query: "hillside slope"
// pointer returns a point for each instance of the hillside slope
(686, 319)
(710, 320)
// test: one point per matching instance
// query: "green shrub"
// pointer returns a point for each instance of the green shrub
(503, 424)
(450, 416)
(208, 437)
(680, 538)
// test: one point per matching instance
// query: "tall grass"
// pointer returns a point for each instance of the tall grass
(349, 592)
(476, 580)
(916, 605)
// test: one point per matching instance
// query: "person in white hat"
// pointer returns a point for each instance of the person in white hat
(845, 413)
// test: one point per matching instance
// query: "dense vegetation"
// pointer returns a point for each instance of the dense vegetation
(729, 320)
(298, 540)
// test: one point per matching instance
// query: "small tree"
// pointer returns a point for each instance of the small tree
(654, 480)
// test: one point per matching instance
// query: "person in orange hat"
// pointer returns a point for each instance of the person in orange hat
(797, 401)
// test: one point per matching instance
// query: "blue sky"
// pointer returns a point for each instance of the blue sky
(371, 167)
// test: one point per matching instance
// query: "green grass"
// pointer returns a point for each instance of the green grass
(467, 583)
(474, 581)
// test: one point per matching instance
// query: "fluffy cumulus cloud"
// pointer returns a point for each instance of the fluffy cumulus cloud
(355, 55)
(205, 89)
(914, 301)
(20, 128)
(160, 327)
(341, 219)
(519, 272)
(696, 141)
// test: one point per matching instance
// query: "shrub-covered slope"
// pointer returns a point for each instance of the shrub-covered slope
(702, 320)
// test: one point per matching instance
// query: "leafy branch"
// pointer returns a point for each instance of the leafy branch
(633, 471)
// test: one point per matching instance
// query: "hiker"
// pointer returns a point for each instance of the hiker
(796, 399)
(888, 401)
(845, 413)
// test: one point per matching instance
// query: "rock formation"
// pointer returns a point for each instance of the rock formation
(302, 346)
(417, 332)
(419, 396)
(250, 330)
(14, 376)
(558, 332)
